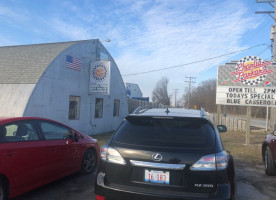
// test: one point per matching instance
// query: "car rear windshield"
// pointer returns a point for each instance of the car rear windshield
(166, 132)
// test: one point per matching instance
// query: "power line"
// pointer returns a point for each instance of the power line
(259, 29)
(194, 62)
(263, 51)
(233, 28)
(272, 3)
(267, 12)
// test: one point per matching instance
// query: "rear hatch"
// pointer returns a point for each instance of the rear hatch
(159, 153)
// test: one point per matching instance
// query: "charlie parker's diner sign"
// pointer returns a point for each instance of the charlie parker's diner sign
(250, 81)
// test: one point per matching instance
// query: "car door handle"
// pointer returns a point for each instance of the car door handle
(9, 154)
(53, 149)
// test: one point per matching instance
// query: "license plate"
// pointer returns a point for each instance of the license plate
(157, 176)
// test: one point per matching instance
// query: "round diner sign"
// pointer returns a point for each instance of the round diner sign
(99, 72)
(251, 70)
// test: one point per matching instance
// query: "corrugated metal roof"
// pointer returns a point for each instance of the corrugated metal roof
(14, 98)
(25, 64)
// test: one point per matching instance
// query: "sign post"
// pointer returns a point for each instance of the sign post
(247, 82)
(266, 121)
(248, 117)
(218, 114)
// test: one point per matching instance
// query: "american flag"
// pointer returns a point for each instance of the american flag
(73, 63)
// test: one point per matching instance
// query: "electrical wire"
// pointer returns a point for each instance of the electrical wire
(258, 30)
(232, 29)
(263, 50)
(194, 62)
(252, 35)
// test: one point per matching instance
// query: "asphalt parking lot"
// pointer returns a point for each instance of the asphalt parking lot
(252, 183)
(76, 186)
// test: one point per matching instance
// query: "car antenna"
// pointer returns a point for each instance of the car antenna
(167, 111)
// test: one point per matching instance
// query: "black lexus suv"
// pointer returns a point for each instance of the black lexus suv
(165, 154)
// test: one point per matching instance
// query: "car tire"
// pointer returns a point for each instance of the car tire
(234, 193)
(270, 168)
(3, 191)
(89, 162)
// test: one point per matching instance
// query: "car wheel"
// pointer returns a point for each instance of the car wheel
(234, 193)
(3, 191)
(89, 161)
(270, 168)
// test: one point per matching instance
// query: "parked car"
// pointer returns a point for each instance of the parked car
(269, 153)
(35, 151)
(165, 154)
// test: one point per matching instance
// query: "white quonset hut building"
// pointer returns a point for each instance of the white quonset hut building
(133, 90)
(77, 83)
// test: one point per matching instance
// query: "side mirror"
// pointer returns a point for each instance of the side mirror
(221, 128)
(274, 133)
(76, 137)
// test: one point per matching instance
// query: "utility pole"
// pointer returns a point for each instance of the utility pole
(190, 81)
(175, 93)
(272, 3)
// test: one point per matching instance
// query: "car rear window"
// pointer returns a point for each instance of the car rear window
(166, 132)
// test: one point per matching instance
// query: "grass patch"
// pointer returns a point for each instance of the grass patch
(248, 154)
(103, 138)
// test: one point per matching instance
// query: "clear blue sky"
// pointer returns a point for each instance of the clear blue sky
(146, 34)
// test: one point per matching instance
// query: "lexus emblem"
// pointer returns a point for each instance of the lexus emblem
(156, 157)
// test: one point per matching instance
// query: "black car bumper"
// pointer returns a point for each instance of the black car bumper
(120, 192)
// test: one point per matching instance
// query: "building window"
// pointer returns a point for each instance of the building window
(99, 108)
(74, 107)
(116, 109)
(103, 55)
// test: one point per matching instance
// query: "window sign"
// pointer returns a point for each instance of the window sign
(99, 78)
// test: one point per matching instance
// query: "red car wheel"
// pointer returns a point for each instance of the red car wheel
(89, 161)
(3, 191)
(270, 168)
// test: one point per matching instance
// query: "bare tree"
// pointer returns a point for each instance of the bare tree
(203, 95)
(160, 92)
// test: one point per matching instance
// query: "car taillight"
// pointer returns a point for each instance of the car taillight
(111, 155)
(211, 162)
(98, 197)
(221, 160)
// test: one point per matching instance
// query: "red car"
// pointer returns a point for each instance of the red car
(35, 151)
(269, 153)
